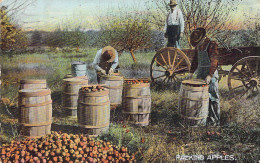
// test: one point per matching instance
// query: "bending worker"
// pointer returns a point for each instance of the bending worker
(174, 25)
(105, 62)
(204, 66)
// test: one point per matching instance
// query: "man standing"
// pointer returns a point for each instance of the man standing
(204, 66)
(105, 62)
(174, 26)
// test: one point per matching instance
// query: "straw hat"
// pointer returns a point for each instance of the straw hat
(173, 3)
(109, 53)
(197, 35)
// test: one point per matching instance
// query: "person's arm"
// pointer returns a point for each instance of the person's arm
(194, 62)
(213, 51)
(97, 60)
(115, 62)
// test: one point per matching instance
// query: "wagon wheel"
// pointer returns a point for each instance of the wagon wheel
(244, 76)
(169, 65)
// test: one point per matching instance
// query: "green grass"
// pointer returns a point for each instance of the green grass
(164, 138)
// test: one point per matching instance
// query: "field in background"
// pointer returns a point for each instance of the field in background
(164, 138)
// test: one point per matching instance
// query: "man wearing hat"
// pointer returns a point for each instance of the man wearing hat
(174, 26)
(204, 66)
(105, 62)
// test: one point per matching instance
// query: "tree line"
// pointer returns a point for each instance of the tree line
(131, 30)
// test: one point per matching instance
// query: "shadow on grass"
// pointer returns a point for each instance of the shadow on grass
(73, 129)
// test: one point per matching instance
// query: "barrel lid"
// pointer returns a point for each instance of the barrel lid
(78, 63)
(194, 82)
(32, 81)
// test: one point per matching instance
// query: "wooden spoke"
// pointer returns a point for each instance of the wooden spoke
(257, 66)
(241, 86)
(158, 70)
(178, 64)
(163, 59)
(160, 64)
(164, 79)
(168, 80)
(159, 77)
(175, 54)
(242, 73)
(249, 69)
(181, 69)
(169, 58)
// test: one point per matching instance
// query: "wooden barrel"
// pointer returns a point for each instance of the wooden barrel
(70, 93)
(33, 84)
(35, 112)
(137, 101)
(194, 102)
(94, 110)
(115, 86)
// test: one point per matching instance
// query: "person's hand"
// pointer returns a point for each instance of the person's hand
(181, 34)
(208, 78)
(103, 72)
(110, 71)
(165, 35)
(190, 75)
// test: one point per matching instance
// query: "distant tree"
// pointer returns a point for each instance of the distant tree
(12, 37)
(213, 15)
(126, 31)
(75, 38)
(55, 39)
(36, 38)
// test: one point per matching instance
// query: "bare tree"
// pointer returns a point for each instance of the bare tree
(128, 30)
(16, 7)
(213, 15)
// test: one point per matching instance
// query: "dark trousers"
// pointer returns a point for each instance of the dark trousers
(173, 33)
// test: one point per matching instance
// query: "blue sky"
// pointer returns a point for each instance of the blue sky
(46, 14)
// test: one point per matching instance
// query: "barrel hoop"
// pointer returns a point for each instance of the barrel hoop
(194, 118)
(98, 126)
(196, 99)
(70, 108)
(195, 89)
(32, 81)
(115, 87)
(43, 92)
(136, 112)
(36, 105)
(96, 104)
(71, 94)
(137, 97)
(36, 124)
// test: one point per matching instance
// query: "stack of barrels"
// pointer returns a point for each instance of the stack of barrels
(35, 106)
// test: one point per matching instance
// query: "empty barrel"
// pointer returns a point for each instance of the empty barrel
(70, 93)
(137, 101)
(35, 112)
(33, 84)
(194, 102)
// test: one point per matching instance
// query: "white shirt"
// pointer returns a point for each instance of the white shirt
(97, 61)
(175, 18)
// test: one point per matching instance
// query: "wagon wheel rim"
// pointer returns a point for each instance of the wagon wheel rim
(244, 76)
(169, 65)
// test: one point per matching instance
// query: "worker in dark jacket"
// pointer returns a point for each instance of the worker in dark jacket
(204, 66)
(106, 61)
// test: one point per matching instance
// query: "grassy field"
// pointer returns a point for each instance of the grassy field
(165, 139)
